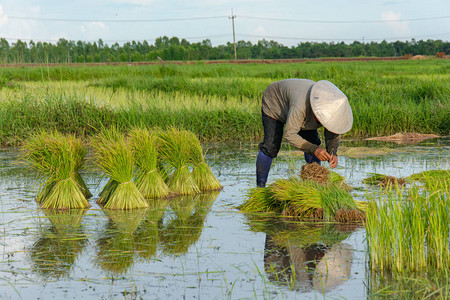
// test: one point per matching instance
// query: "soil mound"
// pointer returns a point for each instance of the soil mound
(405, 138)
(314, 172)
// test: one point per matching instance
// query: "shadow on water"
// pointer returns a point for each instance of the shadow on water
(305, 256)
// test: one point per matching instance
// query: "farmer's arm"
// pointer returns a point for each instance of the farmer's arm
(332, 144)
(294, 124)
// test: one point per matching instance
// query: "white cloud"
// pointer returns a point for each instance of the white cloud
(260, 30)
(394, 23)
(3, 18)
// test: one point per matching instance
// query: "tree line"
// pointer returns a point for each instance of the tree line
(67, 51)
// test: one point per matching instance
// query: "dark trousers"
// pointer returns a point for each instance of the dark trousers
(273, 135)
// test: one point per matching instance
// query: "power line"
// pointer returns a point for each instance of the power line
(342, 21)
(220, 17)
(337, 39)
(114, 21)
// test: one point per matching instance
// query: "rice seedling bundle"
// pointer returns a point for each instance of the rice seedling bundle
(202, 174)
(305, 199)
(114, 157)
(176, 151)
(384, 180)
(149, 180)
(58, 158)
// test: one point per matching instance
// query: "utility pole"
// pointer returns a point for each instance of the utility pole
(234, 35)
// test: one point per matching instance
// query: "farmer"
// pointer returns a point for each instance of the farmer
(303, 105)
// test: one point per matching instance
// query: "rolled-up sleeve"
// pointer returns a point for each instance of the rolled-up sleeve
(332, 141)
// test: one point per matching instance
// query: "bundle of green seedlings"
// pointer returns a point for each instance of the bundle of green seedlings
(58, 159)
(149, 180)
(114, 157)
(202, 174)
(409, 230)
(384, 180)
(176, 152)
(310, 199)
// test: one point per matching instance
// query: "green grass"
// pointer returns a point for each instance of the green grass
(216, 102)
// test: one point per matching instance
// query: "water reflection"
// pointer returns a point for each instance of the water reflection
(59, 244)
(167, 227)
(305, 256)
(186, 225)
(116, 246)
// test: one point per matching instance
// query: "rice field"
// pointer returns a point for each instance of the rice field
(202, 244)
(217, 102)
(138, 182)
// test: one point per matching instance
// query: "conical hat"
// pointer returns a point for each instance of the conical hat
(331, 107)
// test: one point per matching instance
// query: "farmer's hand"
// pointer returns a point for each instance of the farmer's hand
(322, 154)
(333, 161)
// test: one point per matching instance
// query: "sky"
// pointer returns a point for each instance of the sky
(287, 22)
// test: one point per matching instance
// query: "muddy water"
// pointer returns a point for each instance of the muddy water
(197, 247)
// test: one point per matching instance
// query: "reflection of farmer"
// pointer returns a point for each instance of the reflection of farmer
(316, 266)
(303, 105)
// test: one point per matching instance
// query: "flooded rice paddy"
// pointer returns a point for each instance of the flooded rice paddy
(196, 247)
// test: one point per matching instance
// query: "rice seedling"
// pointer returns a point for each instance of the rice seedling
(260, 200)
(409, 231)
(176, 151)
(149, 180)
(57, 158)
(114, 157)
(430, 177)
(304, 199)
(202, 174)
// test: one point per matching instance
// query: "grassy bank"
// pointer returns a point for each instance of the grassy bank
(218, 102)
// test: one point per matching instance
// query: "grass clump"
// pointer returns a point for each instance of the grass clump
(176, 152)
(114, 157)
(57, 158)
(149, 180)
